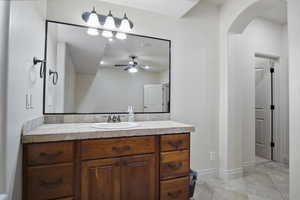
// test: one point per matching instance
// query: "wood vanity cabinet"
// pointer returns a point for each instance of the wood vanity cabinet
(128, 178)
(128, 168)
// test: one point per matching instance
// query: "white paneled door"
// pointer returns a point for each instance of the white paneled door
(153, 98)
(262, 108)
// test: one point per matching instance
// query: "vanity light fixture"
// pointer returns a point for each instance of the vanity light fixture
(107, 34)
(125, 24)
(110, 22)
(93, 23)
(93, 31)
(93, 20)
(121, 36)
(113, 24)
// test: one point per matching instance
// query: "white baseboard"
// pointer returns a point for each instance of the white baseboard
(248, 165)
(3, 197)
(213, 172)
(231, 173)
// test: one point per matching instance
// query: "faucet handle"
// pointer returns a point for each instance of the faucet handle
(119, 118)
(109, 119)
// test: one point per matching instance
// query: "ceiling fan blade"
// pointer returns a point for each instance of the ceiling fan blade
(120, 65)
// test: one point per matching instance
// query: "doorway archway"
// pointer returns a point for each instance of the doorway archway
(235, 17)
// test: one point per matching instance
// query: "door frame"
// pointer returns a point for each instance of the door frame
(275, 153)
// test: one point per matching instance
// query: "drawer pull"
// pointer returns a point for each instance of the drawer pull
(175, 166)
(51, 184)
(174, 195)
(121, 150)
(51, 156)
(176, 144)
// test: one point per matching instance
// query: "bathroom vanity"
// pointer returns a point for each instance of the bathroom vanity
(77, 161)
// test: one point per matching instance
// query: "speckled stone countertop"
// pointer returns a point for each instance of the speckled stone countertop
(81, 131)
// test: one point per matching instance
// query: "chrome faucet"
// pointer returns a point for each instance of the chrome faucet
(114, 119)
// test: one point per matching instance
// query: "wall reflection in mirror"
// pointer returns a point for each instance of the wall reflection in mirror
(95, 74)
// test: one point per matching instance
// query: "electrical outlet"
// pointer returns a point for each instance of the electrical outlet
(212, 156)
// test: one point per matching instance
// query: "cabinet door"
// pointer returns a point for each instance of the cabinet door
(138, 178)
(100, 179)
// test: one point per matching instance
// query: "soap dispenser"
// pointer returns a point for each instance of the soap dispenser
(130, 114)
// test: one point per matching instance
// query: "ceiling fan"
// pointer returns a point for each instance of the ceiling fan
(132, 65)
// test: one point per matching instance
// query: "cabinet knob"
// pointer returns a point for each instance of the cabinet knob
(121, 150)
(51, 184)
(51, 156)
(174, 195)
(176, 144)
(175, 166)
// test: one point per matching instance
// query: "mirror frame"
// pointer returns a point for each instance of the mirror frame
(100, 29)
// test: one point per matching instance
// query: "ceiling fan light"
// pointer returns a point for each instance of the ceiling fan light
(92, 31)
(121, 36)
(110, 22)
(93, 20)
(133, 70)
(107, 34)
(125, 25)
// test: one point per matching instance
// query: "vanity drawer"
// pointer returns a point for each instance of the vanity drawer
(49, 153)
(103, 148)
(50, 182)
(174, 164)
(174, 142)
(175, 189)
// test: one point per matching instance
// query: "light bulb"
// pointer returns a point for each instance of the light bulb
(125, 25)
(93, 20)
(107, 34)
(147, 67)
(110, 22)
(101, 62)
(110, 39)
(93, 31)
(121, 36)
(133, 70)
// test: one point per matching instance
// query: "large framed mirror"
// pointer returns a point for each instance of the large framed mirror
(86, 74)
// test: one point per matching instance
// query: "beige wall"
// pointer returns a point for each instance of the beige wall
(4, 23)
(194, 64)
(26, 40)
(294, 81)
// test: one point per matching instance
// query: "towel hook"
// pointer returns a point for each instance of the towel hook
(55, 76)
(42, 67)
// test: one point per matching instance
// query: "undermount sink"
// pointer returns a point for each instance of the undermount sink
(120, 125)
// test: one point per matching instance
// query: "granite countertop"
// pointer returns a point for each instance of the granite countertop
(80, 131)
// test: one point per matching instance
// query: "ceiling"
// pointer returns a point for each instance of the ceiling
(173, 8)
(276, 12)
(218, 2)
(87, 51)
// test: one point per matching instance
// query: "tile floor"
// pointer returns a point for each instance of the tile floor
(266, 181)
(260, 160)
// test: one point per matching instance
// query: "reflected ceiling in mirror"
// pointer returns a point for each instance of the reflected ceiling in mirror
(94, 74)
